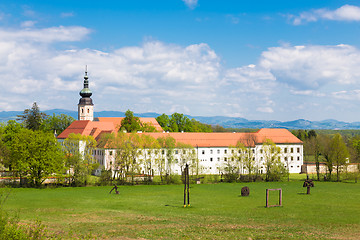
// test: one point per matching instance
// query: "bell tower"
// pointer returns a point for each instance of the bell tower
(86, 106)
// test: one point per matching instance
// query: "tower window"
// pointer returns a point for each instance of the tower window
(82, 110)
(88, 110)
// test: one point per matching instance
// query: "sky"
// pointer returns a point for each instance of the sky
(259, 60)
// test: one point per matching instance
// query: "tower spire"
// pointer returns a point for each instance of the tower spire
(85, 106)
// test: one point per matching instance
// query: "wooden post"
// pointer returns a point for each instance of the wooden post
(280, 197)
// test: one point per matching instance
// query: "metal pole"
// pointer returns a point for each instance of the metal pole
(185, 187)
(188, 187)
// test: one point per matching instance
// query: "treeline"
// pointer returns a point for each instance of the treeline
(330, 147)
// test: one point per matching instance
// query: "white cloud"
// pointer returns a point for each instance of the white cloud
(347, 95)
(168, 77)
(344, 13)
(27, 24)
(190, 3)
(53, 34)
(311, 67)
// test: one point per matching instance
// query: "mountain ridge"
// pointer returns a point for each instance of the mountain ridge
(226, 122)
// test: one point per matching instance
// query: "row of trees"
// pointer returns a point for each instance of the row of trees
(242, 160)
(141, 153)
(332, 149)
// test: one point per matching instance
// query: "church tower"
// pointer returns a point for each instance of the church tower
(86, 106)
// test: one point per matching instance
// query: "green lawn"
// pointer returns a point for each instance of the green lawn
(217, 211)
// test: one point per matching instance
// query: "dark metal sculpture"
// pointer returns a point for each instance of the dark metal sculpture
(308, 184)
(186, 187)
(114, 188)
(245, 191)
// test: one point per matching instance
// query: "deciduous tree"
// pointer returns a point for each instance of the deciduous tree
(338, 153)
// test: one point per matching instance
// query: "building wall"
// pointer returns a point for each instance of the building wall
(211, 160)
(310, 168)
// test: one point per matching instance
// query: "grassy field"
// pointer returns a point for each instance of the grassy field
(217, 211)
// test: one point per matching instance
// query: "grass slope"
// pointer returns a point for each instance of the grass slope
(217, 211)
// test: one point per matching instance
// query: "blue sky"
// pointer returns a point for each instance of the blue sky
(271, 60)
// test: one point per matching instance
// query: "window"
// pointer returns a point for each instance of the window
(232, 151)
(298, 158)
(162, 152)
(218, 151)
(291, 150)
(176, 151)
(203, 152)
(193, 151)
(225, 151)
(110, 153)
(210, 159)
(292, 158)
(261, 151)
(82, 110)
(225, 159)
(88, 110)
(218, 159)
(149, 152)
(285, 150)
(298, 150)
(211, 151)
(285, 158)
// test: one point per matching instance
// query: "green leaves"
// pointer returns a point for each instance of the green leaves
(181, 123)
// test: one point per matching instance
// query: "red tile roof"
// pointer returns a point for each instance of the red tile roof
(278, 136)
(103, 124)
(111, 125)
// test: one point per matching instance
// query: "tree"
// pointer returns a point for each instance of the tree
(36, 154)
(325, 149)
(274, 167)
(56, 123)
(79, 160)
(234, 165)
(187, 156)
(168, 143)
(32, 118)
(181, 123)
(164, 122)
(127, 150)
(151, 153)
(249, 160)
(312, 147)
(130, 123)
(339, 153)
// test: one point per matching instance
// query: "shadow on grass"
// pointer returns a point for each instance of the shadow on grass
(302, 193)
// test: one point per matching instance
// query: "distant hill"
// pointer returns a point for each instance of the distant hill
(226, 122)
